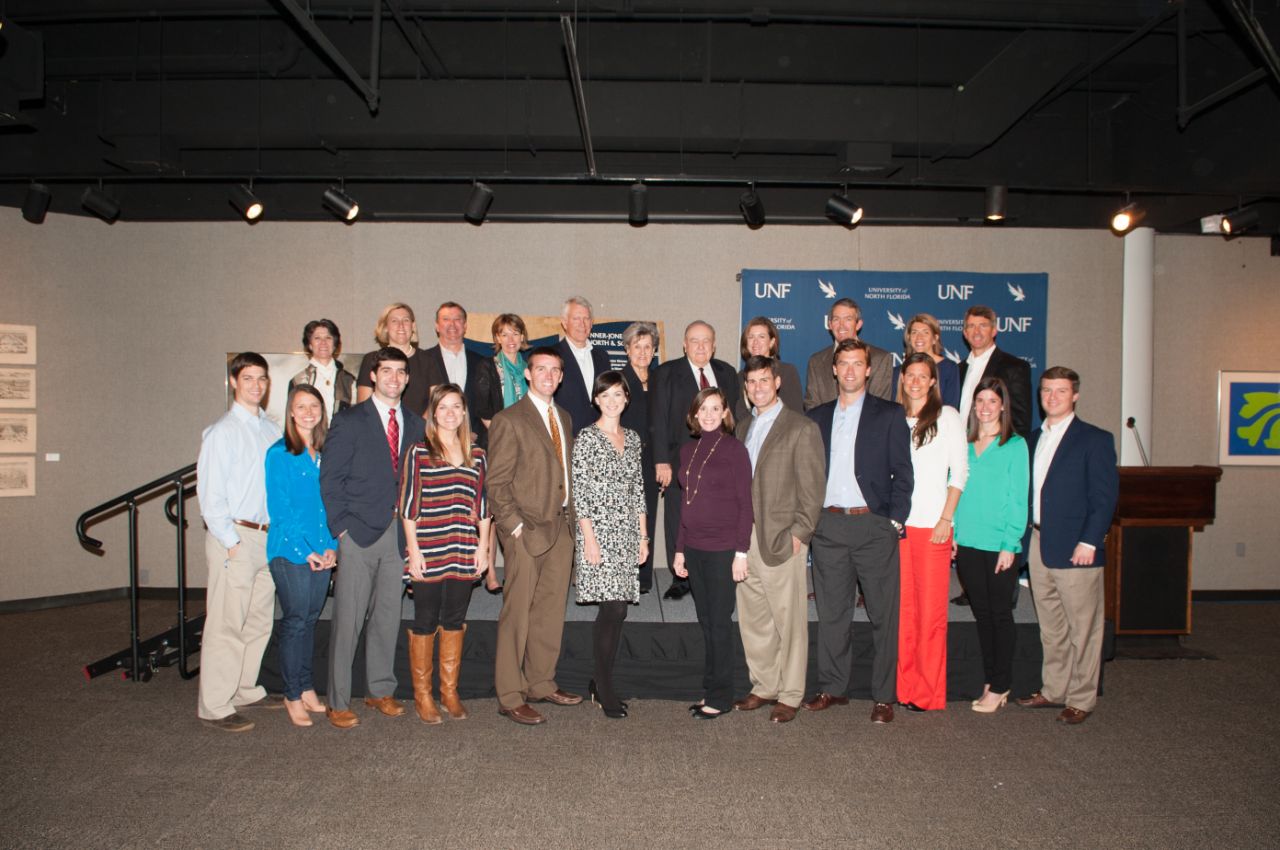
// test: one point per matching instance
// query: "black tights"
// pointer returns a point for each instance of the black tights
(606, 634)
(440, 603)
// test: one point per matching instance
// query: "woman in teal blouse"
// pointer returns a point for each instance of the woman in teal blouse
(510, 338)
(989, 523)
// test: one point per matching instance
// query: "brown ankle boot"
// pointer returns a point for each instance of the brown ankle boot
(421, 649)
(450, 661)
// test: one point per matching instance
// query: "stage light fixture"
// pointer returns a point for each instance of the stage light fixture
(243, 199)
(338, 202)
(843, 211)
(997, 200)
(478, 204)
(100, 204)
(36, 204)
(1127, 218)
(1235, 223)
(752, 208)
(638, 209)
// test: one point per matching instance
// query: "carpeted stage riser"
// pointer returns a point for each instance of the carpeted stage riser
(664, 661)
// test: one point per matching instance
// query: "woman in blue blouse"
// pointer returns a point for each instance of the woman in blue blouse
(300, 550)
(989, 523)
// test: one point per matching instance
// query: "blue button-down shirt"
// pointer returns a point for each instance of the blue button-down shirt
(299, 526)
(842, 487)
(230, 476)
(761, 424)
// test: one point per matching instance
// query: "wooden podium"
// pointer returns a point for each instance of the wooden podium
(1148, 571)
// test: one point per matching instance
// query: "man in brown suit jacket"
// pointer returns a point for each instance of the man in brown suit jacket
(844, 321)
(787, 485)
(530, 444)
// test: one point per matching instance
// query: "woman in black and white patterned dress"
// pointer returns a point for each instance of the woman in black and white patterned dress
(613, 537)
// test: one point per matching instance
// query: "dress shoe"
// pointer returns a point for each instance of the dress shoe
(1073, 716)
(342, 718)
(677, 591)
(560, 697)
(523, 714)
(233, 722)
(269, 701)
(697, 706)
(1038, 700)
(911, 706)
(962, 600)
(822, 700)
(991, 707)
(751, 702)
(882, 712)
(782, 713)
(704, 713)
(297, 712)
(390, 706)
(594, 693)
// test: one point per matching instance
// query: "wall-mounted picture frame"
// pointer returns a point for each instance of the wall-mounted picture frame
(17, 388)
(1249, 418)
(18, 345)
(17, 476)
(17, 433)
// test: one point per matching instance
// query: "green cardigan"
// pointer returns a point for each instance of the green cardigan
(992, 514)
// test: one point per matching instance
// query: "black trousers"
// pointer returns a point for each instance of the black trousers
(991, 598)
(714, 594)
(440, 603)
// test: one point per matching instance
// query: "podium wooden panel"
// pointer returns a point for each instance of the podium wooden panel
(1148, 571)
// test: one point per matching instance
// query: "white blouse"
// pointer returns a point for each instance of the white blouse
(940, 463)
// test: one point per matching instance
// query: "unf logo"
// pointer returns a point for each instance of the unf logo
(1019, 324)
(955, 291)
(772, 290)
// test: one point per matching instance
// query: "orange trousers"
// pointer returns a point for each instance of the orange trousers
(922, 622)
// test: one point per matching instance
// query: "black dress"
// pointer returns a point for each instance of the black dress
(636, 417)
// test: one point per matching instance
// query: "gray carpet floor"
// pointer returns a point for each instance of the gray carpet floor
(1180, 754)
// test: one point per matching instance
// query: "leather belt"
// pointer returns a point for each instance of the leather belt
(255, 526)
(1035, 526)
(847, 511)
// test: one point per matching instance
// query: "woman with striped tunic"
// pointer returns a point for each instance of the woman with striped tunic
(446, 524)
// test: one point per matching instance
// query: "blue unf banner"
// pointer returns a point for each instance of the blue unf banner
(798, 302)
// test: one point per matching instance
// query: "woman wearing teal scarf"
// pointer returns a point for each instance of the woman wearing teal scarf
(509, 339)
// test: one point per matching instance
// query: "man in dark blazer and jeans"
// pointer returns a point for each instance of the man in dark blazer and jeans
(358, 482)
(867, 500)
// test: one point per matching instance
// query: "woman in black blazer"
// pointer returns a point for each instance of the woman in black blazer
(640, 340)
(760, 337)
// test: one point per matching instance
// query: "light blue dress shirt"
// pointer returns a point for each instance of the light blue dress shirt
(230, 476)
(761, 424)
(842, 487)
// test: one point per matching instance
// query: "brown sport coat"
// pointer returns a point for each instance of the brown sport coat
(789, 484)
(526, 483)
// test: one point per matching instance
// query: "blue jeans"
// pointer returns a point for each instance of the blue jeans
(302, 594)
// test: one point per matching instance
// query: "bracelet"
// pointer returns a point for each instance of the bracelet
(644, 539)
(946, 519)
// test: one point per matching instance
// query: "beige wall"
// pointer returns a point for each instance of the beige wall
(134, 320)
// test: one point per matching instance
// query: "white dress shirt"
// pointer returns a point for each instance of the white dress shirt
(326, 376)
(455, 365)
(941, 463)
(585, 365)
(384, 415)
(543, 407)
(976, 366)
(705, 370)
(231, 472)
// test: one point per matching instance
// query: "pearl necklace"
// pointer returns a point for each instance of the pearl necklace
(688, 478)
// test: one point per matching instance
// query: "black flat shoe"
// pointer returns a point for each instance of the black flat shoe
(677, 591)
(911, 706)
(703, 714)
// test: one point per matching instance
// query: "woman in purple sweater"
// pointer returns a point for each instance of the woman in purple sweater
(714, 535)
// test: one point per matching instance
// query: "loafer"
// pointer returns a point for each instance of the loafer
(560, 697)
(822, 700)
(911, 706)
(1073, 716)
(390, 706)
(782, 713)
(751, 702)
(233, 722)
(269, 701)
(342, 718)
(882, 712)
(677, 591)
(1038, 700)
(523, 714)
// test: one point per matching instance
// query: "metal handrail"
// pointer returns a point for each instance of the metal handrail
(124, 499)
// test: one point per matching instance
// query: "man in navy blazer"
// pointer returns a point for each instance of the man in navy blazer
(450, 362)
(583, 362)
(1074, 489)
(359, 477)
(867, 500)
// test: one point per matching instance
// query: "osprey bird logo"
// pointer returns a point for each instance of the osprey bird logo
(828, 289)
(896, 319)
(1016, 292)
(951, 355)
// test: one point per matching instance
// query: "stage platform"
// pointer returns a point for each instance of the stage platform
(661, 652)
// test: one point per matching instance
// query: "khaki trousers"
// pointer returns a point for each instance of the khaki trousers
(239, 608)
(1069, 606)
(773, 618)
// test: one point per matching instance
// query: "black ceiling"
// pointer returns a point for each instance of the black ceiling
(916, 106)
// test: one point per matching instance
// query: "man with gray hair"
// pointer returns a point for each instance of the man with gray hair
(582, 362)
(844, 321)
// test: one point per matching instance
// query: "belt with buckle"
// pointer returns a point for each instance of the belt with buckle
(847, 511)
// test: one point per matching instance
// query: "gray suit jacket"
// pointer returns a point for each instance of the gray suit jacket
(526, 483)
(789, 483)
(820, 380)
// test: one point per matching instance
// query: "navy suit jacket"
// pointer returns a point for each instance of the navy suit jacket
(357, 482)
(483, 390)
(881, 456)
(572, 394)
(1079, 495)
(673, 389)
(1016, 374)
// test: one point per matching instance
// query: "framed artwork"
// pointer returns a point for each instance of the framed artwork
(17, 388)
(17, 433)
(18, 345)
(1249, 418)
(17, 476)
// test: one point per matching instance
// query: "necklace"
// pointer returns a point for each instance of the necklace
(697, 482)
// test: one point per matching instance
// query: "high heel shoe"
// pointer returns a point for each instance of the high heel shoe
(703, 713)
(297, 712)
(986, 689)
(991, 708)
(617, 713)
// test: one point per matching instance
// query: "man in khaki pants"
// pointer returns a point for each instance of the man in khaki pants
(231, 486)
(787, 486)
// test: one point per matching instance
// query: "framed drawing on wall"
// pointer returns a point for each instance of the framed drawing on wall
(17, 476)
(17, 433)
(17, 388)
(1249, 418)
(18, 345)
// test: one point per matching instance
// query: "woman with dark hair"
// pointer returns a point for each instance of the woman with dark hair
(324, 371)
(923, 335)
(990, 520)
(446, 523)
(640, 341)
(713, 538)
(760, 339)
(510, 338)
(939, 459)
(300, 549)
(612, 535)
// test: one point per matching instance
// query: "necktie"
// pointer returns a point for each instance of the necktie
(393, 439)
(702, 378)
(555, 435)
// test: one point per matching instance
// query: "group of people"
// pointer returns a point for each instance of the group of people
(427, 462)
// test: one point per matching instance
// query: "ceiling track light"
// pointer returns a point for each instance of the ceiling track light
(338, 202)
(100, 204)
(842, 210)
(36, 204)
(478, 204)
(997, 201)
(1127, 217)
(1235, 223)
(243, 199)
(638, 205)
(752, 208)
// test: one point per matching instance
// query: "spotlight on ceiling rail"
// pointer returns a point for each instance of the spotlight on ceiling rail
(36, 203)
(1127, 218)
(338, 202)
(752, 208)
(638, 205)
(243, 199)
(1237, 222)
(997, 201)
(842, 210)
(100, 204)
(478, 204)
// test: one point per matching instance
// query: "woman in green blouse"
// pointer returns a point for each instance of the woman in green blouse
(989, 523)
